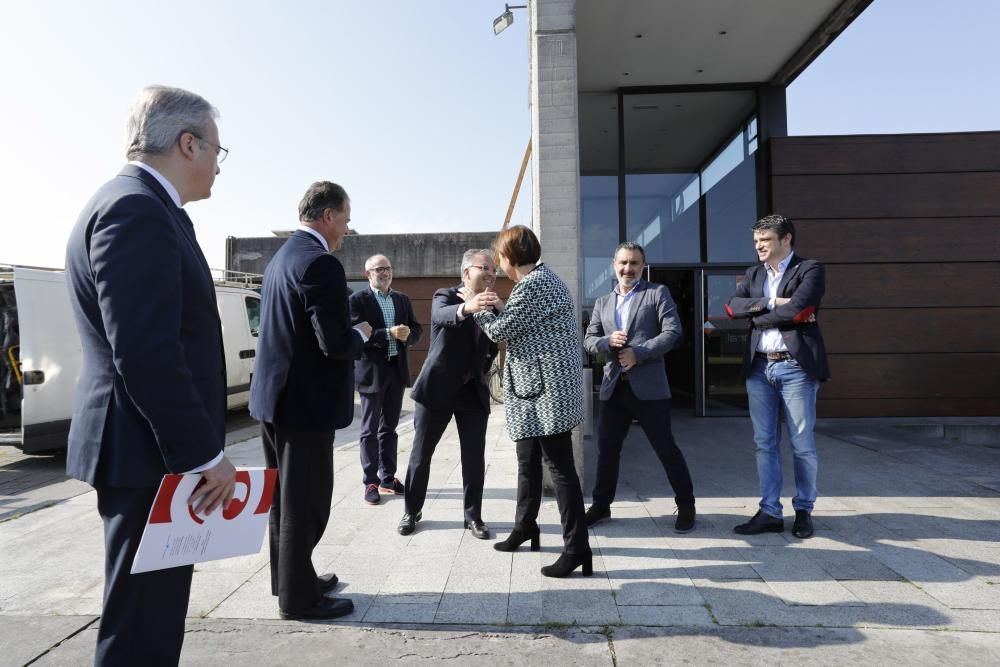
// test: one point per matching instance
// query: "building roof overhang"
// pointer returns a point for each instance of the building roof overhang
(643, 43)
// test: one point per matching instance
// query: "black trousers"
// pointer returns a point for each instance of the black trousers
(557, 452)
(379, 418)
(142, 621)
(300, 509)
(617, 414)
(429, 426)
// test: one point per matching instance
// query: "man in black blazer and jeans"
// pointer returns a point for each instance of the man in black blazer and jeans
(784, 362)
(151, 398)
(382, 372)
(302, 391)
(452, 382)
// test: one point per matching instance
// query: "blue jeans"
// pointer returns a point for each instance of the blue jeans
(777, 388)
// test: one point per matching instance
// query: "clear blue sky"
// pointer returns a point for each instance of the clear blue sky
(415, 107)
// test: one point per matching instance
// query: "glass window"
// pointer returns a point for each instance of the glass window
(253, 314)
(599, 226)
(729, 184)
(661, 214)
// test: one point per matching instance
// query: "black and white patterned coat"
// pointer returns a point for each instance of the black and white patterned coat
(542, 387)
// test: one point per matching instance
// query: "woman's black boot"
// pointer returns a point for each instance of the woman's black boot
(518, 537)
(569, 562)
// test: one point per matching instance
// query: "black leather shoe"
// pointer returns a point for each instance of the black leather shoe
(408, 523)
(803, 526)
(596, 514)
(518, 537)
(479, 530)
(324, 608)
(569, 562)
(327, 582)
(761, 523)
(685, 519)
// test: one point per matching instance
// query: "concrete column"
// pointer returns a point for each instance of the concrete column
(555, 166)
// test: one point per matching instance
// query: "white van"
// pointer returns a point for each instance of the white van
(41, 354)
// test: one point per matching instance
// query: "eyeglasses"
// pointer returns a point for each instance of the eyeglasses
(483, 267)
(381, 269)
(223, 153)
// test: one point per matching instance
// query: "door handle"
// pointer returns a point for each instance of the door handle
(248, 354)
(33, 377)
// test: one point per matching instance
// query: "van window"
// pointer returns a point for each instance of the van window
(253, 314)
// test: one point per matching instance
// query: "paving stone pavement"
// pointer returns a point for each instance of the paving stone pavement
(905, 566)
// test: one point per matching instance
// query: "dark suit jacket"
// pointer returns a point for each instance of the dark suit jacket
(374, 368)
(151, 398)
(459, 350)
(304, 375)
(804, 283)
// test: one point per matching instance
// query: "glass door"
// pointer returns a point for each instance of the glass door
(722, 341)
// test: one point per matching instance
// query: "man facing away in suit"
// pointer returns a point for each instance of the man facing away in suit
(151, 398)
(452, 382)
(382, 373)
(303, 391)
(784, 362)
(635, 326)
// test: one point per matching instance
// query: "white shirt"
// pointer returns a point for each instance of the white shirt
(162, 180)
(176, 198)
(623, 303)
(770, 339)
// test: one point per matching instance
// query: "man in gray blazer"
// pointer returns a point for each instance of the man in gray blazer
(634, 327)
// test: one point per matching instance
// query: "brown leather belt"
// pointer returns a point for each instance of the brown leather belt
(774, 356)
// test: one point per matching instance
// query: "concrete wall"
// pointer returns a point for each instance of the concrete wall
(412, 255)
(554, 134)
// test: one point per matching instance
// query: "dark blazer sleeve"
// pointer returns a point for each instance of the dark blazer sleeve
(742, 304)
(805, 298)
(135, 255)
(326, 304)
(443, 313)
(363, 309)
(595, 341)
(670, 332)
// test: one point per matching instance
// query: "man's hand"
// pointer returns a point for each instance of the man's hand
(475, 303)
(781, 300)
(217, 489)
(618, 339)
(627, 358)
(364, 328)
(400, 332)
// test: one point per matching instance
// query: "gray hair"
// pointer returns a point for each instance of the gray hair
(371, 260)
(159, 115)
(469, 258)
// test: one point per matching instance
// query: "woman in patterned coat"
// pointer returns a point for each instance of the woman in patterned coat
(543, 393)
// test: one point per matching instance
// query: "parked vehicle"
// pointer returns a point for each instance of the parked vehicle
(41, 352)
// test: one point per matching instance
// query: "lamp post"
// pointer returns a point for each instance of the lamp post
(504, 21)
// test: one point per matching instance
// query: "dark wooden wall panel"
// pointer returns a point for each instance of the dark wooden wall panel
(906, 376)
(872, 154)
(888, 195)
(908, 227)
(911, 330)
(966, 285)
(849, 241)
(914, 407)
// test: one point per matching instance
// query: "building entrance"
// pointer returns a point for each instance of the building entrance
(681, 366)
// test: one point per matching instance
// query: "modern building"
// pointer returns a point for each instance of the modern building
(664, 122)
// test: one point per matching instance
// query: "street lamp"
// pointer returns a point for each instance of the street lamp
(503, 21)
